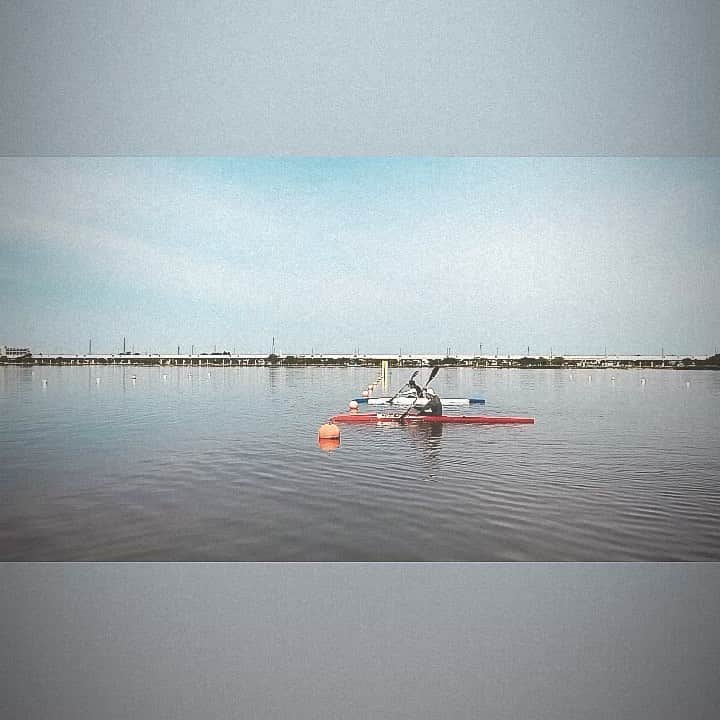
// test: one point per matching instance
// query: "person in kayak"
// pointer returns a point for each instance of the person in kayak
(434, 404)
(414, 387)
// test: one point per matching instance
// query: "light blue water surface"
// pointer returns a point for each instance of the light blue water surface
(223, 464)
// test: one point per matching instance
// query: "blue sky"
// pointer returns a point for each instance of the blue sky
(379, 254)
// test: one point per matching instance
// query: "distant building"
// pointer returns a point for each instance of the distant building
(13, 352)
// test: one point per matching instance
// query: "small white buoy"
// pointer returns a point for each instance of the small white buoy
(365, 393)
(687, 383)
(44, 382)
(164, 377)
(642, 381)
(613, 378)
(97, 381)
(353, 405)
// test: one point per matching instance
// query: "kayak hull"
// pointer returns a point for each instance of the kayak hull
(409, 401)
(459, 419)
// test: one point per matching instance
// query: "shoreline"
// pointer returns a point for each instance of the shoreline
(523, 363)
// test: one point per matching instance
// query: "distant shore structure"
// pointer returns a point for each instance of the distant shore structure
(227, 359)
(13, 352)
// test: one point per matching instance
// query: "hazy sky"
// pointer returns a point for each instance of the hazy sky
(418, 255)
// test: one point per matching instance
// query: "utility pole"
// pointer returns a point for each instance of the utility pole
(123, 343)
(90, 347)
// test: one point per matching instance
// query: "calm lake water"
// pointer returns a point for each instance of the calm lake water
(223, 464)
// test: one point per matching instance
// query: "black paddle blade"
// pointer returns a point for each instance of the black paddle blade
(434, 372)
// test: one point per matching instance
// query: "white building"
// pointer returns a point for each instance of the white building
(13, 352)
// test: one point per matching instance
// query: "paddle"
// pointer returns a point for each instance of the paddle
(412, 377)
(429, 380)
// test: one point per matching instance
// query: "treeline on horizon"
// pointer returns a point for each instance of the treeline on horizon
(221, 358)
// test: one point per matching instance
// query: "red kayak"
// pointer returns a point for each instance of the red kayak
(465, 419)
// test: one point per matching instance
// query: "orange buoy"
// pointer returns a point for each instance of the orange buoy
(329, 431)
(353, 405)
(328, 444)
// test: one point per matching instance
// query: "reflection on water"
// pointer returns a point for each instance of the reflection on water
(427, 440)
(225, 464)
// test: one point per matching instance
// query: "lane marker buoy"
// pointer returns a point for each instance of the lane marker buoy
(329, 431)
(329, 437)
